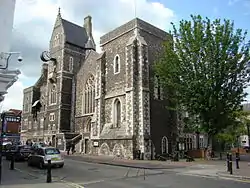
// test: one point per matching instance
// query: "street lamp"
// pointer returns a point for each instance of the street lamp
(6, 56)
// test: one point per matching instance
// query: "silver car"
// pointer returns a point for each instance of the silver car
(39, 157)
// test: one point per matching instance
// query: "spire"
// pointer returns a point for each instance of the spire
(59, 12)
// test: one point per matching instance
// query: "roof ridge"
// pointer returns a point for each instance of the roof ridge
(72, 23)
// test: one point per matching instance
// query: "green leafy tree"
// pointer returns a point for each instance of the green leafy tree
(204, 68)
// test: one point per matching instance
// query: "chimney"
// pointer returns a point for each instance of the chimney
(88, 25)
(45, 68)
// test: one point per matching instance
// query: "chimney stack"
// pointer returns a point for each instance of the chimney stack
(45, 68)
(88, 25)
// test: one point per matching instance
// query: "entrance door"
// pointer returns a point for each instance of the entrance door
(86, 145)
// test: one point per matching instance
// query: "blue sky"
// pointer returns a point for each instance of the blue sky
(237, 10)
(34, 20)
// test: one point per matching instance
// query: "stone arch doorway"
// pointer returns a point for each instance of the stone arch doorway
(87, 131)
(164, 145)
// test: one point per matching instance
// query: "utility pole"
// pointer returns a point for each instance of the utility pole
(1, 144)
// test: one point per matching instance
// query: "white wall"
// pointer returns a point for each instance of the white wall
(7, 9)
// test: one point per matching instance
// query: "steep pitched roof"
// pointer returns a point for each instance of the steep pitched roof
(75, 34)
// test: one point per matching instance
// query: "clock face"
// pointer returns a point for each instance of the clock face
(45, 56)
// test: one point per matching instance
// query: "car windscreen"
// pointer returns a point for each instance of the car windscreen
(51, 151)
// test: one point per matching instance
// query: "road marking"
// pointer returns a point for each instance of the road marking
(215, 177)
(75, 185)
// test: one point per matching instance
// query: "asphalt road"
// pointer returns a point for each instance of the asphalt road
(88, 175)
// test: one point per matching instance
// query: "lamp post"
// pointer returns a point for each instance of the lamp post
(6, 56)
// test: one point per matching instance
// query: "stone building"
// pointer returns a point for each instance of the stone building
(107, 103)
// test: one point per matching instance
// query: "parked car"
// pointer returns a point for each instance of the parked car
(21, 152)
(40, 157)
(6, 146)
(37, 145)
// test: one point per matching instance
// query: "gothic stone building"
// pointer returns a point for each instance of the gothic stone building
(108, 103)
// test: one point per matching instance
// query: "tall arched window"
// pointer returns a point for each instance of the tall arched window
(158, 90)
(164, 145)
(89, 96)
(87, 127)
(116, 64)
(117, 113)
(52, 98)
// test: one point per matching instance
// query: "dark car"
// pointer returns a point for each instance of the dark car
(20, 152)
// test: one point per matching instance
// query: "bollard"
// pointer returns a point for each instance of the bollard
(237, 160)
(228, 167)
(12, 161)
(230, 164)
(49, 172)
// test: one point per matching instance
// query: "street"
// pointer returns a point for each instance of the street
(81, 174)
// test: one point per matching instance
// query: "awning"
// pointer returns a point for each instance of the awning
(36, 103)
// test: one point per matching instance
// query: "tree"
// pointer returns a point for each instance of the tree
(204, 68)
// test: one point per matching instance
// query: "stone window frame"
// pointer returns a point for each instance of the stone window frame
(53, 95)
(88, 97)
(26, 104)
(164, 145)
(158, 89)
(41, 123)
(71, 64)
(117, 64)
(57, 40)
(52, 117)
(87, 127)
(115, 115)
(25, 125)
(58, 60)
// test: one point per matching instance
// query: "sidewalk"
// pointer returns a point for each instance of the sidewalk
(17, 179)
(199, 166)
(114, 161)
(242, 173)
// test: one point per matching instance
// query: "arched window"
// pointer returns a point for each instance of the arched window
(87, 127)
(164, 145)
(117, 64)
(158, 90)
(117, 113)
(71, 64)
(89, 96)
(53, 95)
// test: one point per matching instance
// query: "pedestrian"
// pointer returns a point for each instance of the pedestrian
(73, 148)
(68, 148)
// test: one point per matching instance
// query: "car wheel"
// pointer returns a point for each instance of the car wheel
(61, 166)
(41, 165)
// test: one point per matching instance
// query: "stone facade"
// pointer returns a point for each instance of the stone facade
(110, 101)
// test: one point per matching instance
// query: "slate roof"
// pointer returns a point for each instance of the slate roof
(75, 34)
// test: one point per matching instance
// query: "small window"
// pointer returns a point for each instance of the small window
(71, 64)
(117, 64)
(52, 117)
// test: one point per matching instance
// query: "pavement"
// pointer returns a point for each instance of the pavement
(215, 168)
(17, 179)
(78, 173)
(114, 161)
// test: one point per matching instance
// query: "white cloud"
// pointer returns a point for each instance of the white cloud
(14, 98)
(34, 21)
